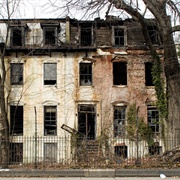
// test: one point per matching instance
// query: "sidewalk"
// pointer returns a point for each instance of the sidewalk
(90, 173)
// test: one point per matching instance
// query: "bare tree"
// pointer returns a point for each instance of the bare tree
(164, 13)
(8, 7)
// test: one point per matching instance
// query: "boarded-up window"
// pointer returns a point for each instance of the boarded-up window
(85, 74)
(16, 73)
(16, 120)
(50, 118)
(119, 121)
(50, 152)
(119, 73)
(50, 73)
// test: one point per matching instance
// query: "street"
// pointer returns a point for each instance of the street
(88, 178)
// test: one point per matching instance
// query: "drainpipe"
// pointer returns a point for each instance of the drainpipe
(35, 161)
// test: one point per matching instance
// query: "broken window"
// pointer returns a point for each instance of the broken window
(119, 121)
(17, 36)
(50, 36)
(86, 120)
(85, 74)
(119, 73)
(155, 149)
(119, 37)
(153, 119)
(121, 151)
(16, 120)
(16, 73)
(148, 74)
(50, 120)
(50, 152)
(16, 152)
(50, 73)
(86, 35)
(153, 34)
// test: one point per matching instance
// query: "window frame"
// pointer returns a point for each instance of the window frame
(117, 73)
(50, 29)
(119, 130)
(48, 78)
(18, 74)
(50, 122)
(86, 81)
(16, 120)
(148, 74)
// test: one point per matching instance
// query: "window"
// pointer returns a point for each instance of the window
(16, 120)
(16, 152)
(50, 152)
(119, 121)
(86, 120)
(50, 118)
(119, 73)
(50, 73)
(17, 36)
(119, 37)
(86, 35)
(153, 119)
(85, 74)
(155, 149)
(16, 73)
(50, 36)
(148, 74)
(121, 151)
(153, 34)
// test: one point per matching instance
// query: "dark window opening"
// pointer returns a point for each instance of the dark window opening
(50, 71)
(153, 34)
(155, 149)
(16, 120)
(85, 74)
(86, 36)
(16, 152)
(16, 73)
(50, 120)
(86, 121)
(119, 37)
(148, 74)
(119, 121)
(153, 119)
(50, 36)
(119, 73)
(121, 151)
(17, 37)
(50, 152)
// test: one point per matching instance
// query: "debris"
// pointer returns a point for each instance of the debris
(162, 176)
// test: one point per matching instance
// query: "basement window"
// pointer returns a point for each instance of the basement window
(155, 149)
(85, 74)
(16, 73)
(119, 73)
(86, 35)
(153, 119)
(119, 121)
(16, 120)
(148, 74)
(50, 152)
(121, 151)
(50, 120)
(50, 73)
(16, 152)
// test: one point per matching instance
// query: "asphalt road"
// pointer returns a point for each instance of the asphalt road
(88, 178)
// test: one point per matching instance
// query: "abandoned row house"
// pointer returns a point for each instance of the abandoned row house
(80, 75)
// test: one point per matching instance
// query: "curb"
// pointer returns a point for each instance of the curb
(90, 173)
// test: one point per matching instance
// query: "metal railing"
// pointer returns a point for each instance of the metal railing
(75, 152)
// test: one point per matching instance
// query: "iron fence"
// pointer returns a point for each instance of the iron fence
(75, 152)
